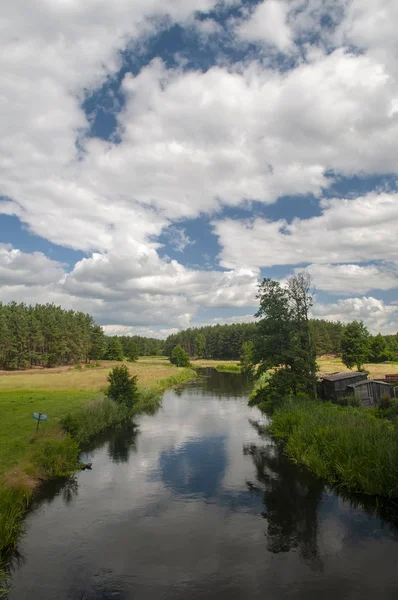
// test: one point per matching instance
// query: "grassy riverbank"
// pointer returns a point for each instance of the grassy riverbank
(346, 446)
(78, 394)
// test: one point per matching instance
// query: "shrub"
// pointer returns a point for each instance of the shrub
(122, 387)
(349, 400)
(179, 357)
(385, 401)
(71, 425)
(78, 367)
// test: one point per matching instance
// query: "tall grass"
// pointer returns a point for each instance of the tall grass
(13, 504)
(4, 585)
(229, 368)
(346, 446)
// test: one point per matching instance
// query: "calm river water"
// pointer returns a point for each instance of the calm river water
(196, 502)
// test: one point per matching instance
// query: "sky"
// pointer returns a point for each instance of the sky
(158, 158)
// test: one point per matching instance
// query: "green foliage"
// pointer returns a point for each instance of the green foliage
(224, 342)
(345, 445)
(229, 368)
(14, 501)
(4, 582)
(285, 336)
(379, 351)
(179, 357)
(78, 367)
(387, 409)
(247, 357)
(131, 350)
(326, 336)
(122, 386)
(94, 418)
(145, 346)
(349, 400)
(55, 456)
(114, 350)
(46, 335)
(218, 342)
(200, 344)
(355, 345)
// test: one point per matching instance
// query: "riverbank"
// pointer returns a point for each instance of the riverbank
(27, 458)
(348, 447)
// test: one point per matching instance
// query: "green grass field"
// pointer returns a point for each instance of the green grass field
(57, 392)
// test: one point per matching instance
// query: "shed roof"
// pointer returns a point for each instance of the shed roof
(359, 383)
(345, 375)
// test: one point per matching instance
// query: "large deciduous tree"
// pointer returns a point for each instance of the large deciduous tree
(284, 339)
(355, 345)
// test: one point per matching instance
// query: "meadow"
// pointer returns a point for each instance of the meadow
(376, 370)
(57, 392)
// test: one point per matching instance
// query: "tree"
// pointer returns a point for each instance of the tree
(97, 343)
(122, 387)
(379, 351)
(114, 350)
(179, 357)
(200, 344)
(284, 335)
(131, 350)
(247, 355)
(355, 345)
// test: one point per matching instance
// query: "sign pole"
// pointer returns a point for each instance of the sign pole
(38, 423)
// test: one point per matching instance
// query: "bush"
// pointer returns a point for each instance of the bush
(122, 387)
(349, 400)
(78, 367)
(179, 357)
(385, 401)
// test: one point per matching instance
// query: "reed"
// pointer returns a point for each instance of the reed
(346, 446)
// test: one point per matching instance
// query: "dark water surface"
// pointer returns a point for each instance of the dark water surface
(196, 502)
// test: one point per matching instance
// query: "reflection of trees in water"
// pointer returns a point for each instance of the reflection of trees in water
(68, 487)
(291, 497)
(122, 443)
(221, 384)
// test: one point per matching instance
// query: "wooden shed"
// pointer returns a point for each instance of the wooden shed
(334, 386)
(370, 392)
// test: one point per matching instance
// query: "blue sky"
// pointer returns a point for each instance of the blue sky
(163, 156)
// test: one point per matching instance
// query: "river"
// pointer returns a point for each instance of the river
(197, 502)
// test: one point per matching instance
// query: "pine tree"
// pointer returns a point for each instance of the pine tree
(114, 350)
(131, 350)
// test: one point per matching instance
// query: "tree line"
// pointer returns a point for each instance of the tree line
(47, 335)
(226, 342)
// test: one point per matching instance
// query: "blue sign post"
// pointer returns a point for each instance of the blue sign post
(39, 417)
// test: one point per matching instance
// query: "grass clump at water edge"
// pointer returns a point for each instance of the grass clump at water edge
(346, 446)
(229, 368)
